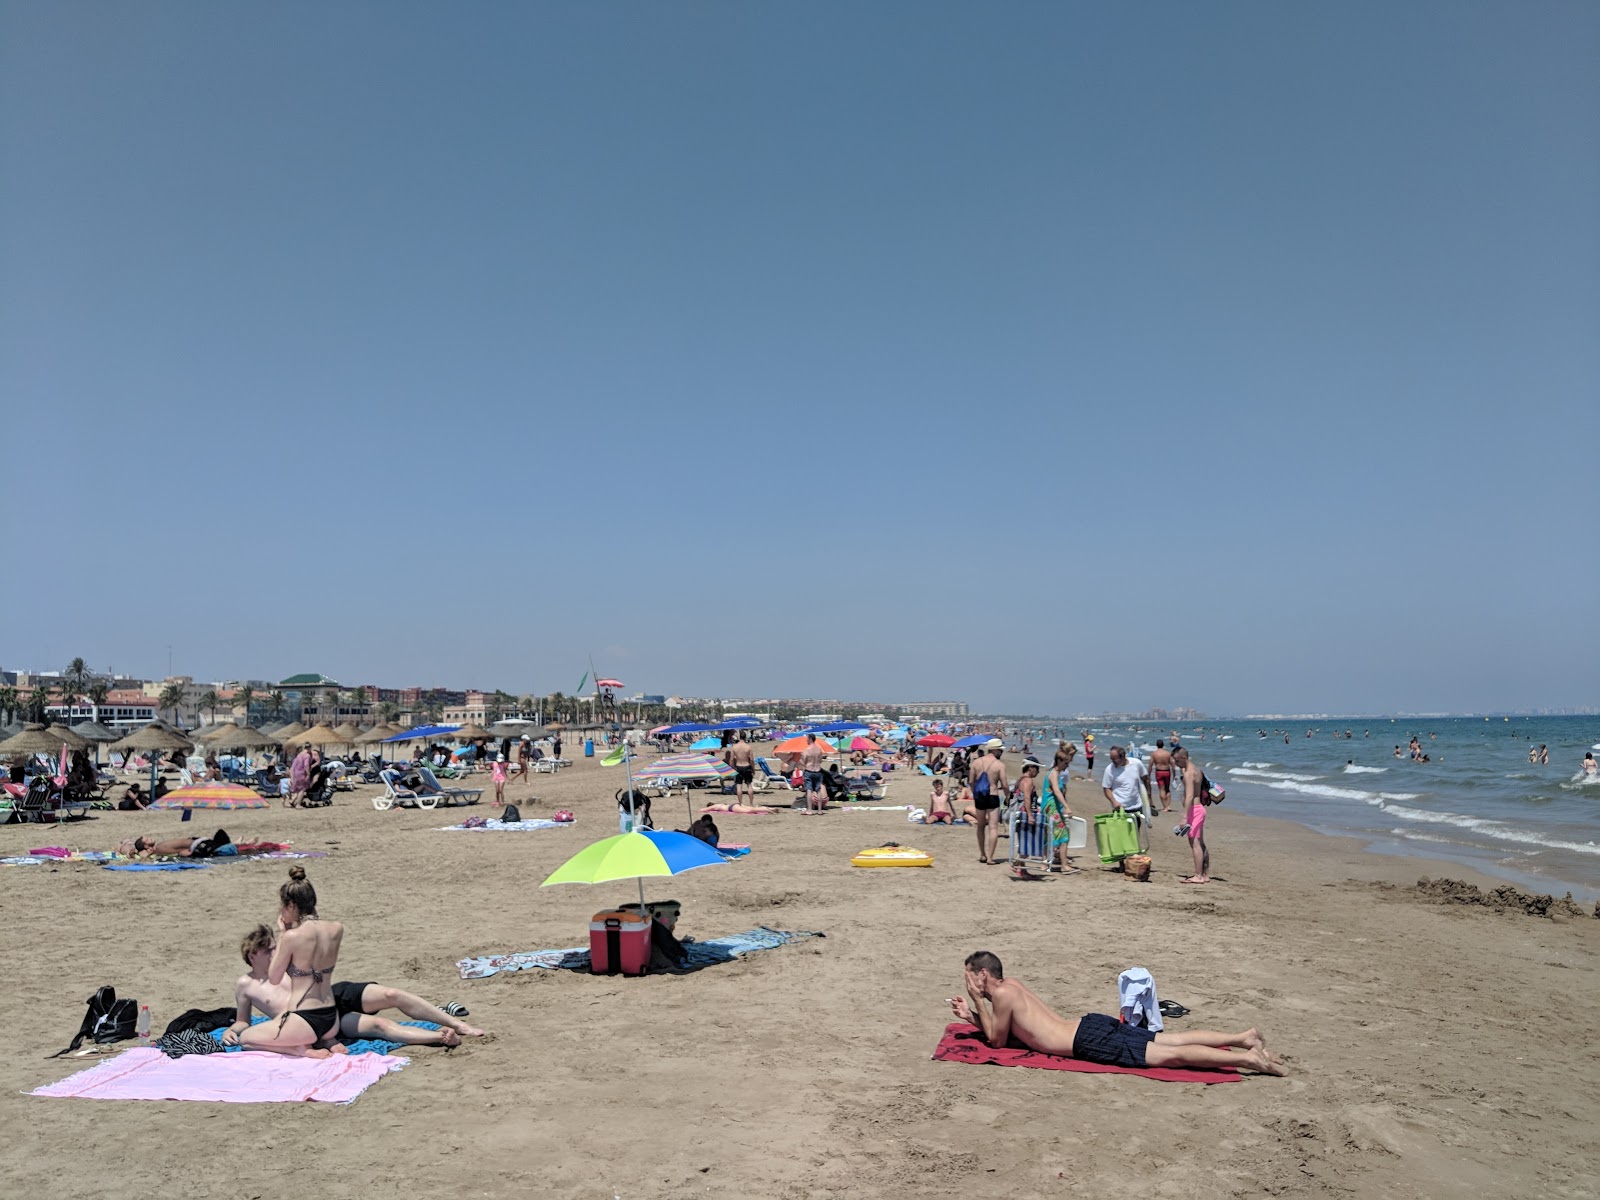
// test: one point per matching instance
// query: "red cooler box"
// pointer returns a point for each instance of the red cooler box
(619, 943)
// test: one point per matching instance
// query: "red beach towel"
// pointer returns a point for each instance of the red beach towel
(962, 1044)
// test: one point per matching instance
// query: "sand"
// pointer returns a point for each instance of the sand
(1435, 1049)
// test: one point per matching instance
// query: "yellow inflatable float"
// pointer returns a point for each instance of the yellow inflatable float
(892, 856)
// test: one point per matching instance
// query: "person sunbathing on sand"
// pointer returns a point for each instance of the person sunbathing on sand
(358, 1004)
(754, 809)
(308, 950)
(1013, 1012)
(148, 846)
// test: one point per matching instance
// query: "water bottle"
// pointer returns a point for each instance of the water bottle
(142, 1028)
(624, 821)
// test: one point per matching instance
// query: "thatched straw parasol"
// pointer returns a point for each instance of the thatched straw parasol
(348, 733)
(34, 739)
(155, 736)
(319, 736)
(289, 732)
(93, 731)
(73, 740)
(242, 737)
(376, 734)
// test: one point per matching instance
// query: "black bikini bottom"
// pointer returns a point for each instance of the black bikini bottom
(323, 1021)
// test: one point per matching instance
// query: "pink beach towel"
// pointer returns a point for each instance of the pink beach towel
(961, 1043)
(255, 1077)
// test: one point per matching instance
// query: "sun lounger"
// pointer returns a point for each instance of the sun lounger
(396, 793)
(453, 795)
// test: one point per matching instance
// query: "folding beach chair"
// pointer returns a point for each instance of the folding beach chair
(1031, 839)
(771, 778)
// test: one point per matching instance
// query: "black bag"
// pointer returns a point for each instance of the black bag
(108, 1020)
(511, 813)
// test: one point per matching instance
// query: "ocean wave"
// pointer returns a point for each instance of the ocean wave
(1272, 774)
(1352, 769)
(1258, 766)
(1334, 793)
(1494, 829)
(1580, 780)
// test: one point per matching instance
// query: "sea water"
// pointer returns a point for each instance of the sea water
(1477, 801)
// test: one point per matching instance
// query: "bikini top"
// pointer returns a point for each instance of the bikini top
(315, 975)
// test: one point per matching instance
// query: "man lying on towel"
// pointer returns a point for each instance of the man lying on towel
(356, 1003)
(1014, 1012)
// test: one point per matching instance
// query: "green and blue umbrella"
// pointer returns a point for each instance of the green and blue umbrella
(636, 855)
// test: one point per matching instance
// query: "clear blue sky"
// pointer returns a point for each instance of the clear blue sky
(1048, 356)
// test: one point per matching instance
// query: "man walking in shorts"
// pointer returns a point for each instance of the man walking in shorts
(741, 756)
(987, 782)
(1161, 771)
(811, 764)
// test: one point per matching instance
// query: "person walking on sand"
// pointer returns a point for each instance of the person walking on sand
(1194, 826)
(299, 777)
(1053, 799)
(741, 756)
(1005, 1009)
(1121, 787)
(499, 776)
(1088, 751)
(988, 784)
(1161, 771)
(524, 758)
(811, 764)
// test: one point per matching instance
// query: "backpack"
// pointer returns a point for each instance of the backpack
(980, 785)
(511, 813)
(108, 1020)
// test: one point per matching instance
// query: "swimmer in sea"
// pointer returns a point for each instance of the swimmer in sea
(1590, 767)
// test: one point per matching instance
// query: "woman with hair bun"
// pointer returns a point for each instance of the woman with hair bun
(306, 954)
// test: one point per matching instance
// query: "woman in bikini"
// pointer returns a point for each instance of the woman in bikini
(306, 953)
(1054, 801)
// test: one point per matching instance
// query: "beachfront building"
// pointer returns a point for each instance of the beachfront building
(477, 708)
(933, 708)
(125, 708)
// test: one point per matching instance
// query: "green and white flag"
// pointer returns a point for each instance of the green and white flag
(578, 691)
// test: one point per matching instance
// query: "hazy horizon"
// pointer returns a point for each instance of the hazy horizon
(1051, 357)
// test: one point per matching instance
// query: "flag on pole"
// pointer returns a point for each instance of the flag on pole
(578, 691)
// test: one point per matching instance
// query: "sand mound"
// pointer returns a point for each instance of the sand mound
(1502, 899)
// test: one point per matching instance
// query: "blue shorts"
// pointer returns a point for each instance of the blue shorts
(813, 781)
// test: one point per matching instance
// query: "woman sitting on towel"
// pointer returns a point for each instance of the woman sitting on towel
(306, 954)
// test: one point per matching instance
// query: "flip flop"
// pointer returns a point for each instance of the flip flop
(1171, 1008)
(455, 1009)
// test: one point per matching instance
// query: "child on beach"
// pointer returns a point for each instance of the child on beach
(499, 779)
(939, 806)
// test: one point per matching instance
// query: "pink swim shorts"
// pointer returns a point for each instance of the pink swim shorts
(1197, 819)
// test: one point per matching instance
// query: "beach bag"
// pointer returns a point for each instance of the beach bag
(108, 1020)
(1208, 794)
(511, 813)
(980, 786)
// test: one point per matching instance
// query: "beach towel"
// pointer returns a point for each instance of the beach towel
(732, 851)
(495, 826)
(176, 864)
(148, 1074)
(962, 1044)
(698, 955)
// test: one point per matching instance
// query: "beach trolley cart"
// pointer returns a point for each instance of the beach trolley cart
(1032, 836)
(1117, 835)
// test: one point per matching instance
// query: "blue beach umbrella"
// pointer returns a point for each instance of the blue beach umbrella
(966, 743)
(707, 743)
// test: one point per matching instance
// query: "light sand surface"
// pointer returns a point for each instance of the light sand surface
(1434, 1050)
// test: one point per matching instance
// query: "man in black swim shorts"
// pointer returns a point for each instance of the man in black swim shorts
(1005, 1011)
(741, 756)
(987, 781)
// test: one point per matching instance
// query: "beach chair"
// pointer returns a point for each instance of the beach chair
(1031, 839)
(39, 801)
(432, 787)
(396, 793)
(771, 778)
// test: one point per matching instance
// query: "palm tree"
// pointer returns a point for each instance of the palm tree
(244, 697)
(171, 698)
(502, 703)
(388, 711)
(38, 699)
(209, 700)
(9, 704)
(275, 703)
(98, 693)
(359, 696)
(76, 678)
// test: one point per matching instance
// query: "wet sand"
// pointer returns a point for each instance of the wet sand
(1434, 1049)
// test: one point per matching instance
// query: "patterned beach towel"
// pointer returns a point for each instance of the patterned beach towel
(699, 955)
(496, 826)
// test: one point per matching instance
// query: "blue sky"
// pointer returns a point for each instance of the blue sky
(1047, 356)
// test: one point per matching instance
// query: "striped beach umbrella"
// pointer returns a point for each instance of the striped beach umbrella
(685, 766)
(212, 795)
